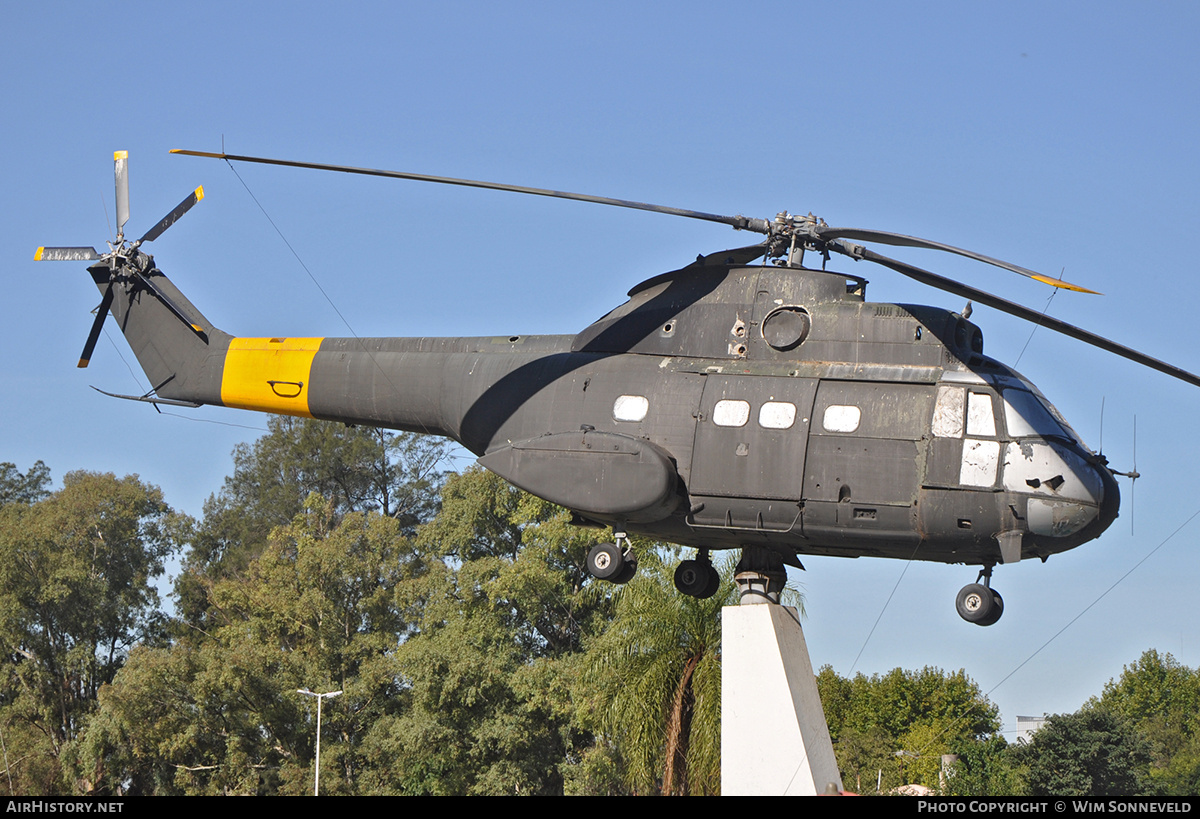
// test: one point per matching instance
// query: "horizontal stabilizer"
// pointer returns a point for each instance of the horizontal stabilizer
(149, 399)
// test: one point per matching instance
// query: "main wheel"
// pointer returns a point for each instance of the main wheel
(605, 561)
(697, 579)
(975, 603)
(997, 609)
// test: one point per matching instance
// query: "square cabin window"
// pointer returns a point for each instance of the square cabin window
(777, 415)
(630, 407)
(731, 413)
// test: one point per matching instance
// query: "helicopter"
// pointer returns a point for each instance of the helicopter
(743, 401)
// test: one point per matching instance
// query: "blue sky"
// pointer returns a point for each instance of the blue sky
(1051, 135)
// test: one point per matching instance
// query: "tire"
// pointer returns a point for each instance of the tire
(627, 573)
(605, 561)
(975, 603)
(997, 609)
(691, 579)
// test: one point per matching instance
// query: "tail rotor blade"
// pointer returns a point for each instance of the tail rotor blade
(170, 304)
(174, 216)
(66, 254)
(121, 163)
(1133, 479)
(101, 314)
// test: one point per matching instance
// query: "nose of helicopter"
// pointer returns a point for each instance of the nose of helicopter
(1073, 505)
(1110, 505)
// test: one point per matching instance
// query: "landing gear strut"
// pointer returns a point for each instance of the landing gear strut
(978, 603)
(614, 562)
(698, 578)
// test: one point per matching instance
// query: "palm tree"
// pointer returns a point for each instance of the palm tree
(656, 672)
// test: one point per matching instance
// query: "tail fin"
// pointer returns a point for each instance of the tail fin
(179, 349)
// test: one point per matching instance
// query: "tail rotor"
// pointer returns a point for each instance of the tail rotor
(127, 265)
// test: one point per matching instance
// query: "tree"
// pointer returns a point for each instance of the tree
(397, 475)
(653, 682)
(1160, 698)
(76, 594)
(218, 713)
(1088, 753)
(29, 488)
(926, 713)
(985, 768)
(505, 607)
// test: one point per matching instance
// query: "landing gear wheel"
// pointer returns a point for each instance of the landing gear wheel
(697, 579)
(997, 609)
(976, 604)
(605, 562)
(627, 571)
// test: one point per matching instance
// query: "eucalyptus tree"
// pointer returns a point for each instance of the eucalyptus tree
(76, 594)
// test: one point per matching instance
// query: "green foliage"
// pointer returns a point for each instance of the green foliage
(1160, 698)
(986, 768)
(316, 610)
(926, 713)
(29, 488)
(356, 469)
(1088, 753)
(504, 610)
(75, 596)
(397, 475)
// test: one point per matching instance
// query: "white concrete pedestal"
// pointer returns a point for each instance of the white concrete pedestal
(774, 738)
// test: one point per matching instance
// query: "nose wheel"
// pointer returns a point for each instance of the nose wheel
(978, 603)
(614, 562)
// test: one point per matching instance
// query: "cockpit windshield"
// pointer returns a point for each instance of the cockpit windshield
(1026, 416)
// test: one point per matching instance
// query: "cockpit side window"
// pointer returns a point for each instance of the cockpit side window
(981, 420)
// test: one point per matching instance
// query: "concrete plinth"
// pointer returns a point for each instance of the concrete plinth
(774, 738)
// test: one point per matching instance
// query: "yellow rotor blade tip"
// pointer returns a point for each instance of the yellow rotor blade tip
(120, 155)
(199, 193)
(1065, 285)
(37, 257)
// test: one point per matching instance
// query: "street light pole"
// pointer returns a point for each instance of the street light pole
(330, 694)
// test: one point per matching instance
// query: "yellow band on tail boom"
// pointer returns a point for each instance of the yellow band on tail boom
(269, 374)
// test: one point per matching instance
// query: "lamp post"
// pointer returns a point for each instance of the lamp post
(330, 694)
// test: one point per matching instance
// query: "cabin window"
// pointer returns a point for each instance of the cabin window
(980, 417)
(948, 413)
(841, 418)
(777, 415)
(631, 407)
(731, 413)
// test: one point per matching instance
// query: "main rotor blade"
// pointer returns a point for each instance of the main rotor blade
(1020, 311)
(121, 172)
(737, 222)
(174, 216)
(883, 237)
(101, 314)
(65, 254)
